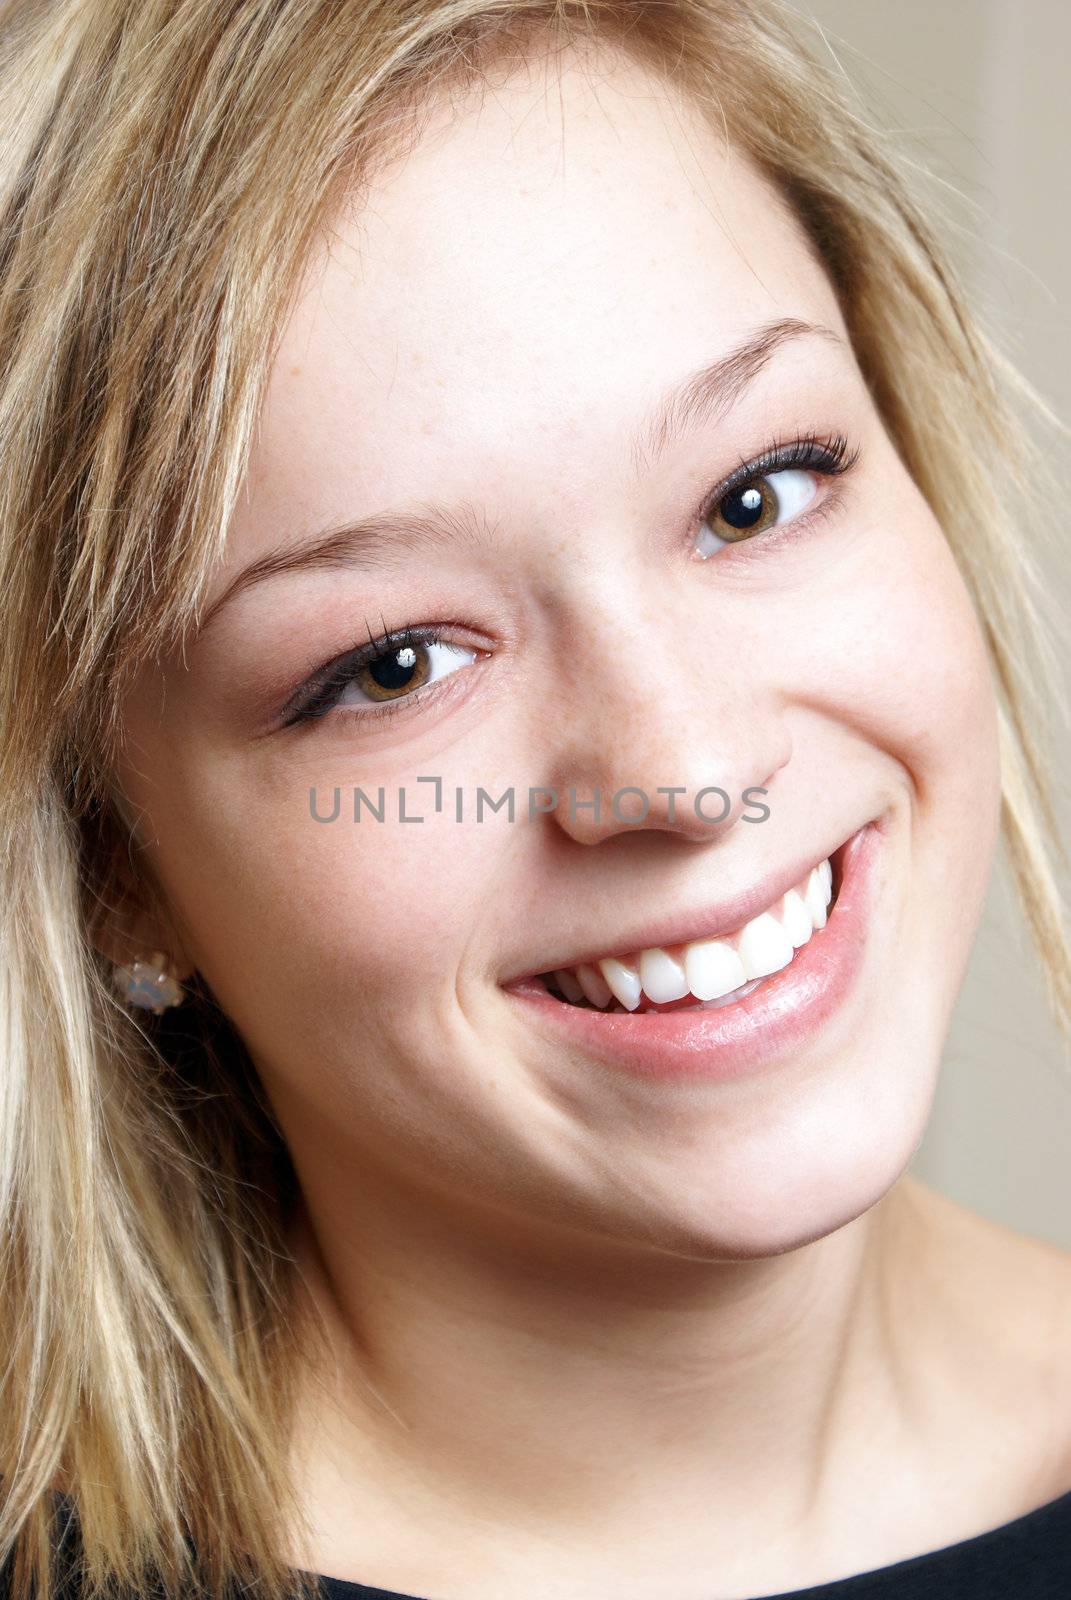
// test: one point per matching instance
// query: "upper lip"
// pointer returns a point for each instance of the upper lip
(712, 921)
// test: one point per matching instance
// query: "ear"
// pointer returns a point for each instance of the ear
(139, 936)
(131, 919)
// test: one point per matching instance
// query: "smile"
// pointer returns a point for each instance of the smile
(723, 1005)
(704, 972)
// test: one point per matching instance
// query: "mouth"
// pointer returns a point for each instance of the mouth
(721, 1006)
(706, 973)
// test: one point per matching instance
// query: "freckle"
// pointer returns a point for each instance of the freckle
(295, 371)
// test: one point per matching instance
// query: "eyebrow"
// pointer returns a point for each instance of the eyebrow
(703, 396)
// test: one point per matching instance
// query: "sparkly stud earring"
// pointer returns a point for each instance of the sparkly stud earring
(147, 983)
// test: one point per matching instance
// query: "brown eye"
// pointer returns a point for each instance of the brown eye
(394, 673)
(749, 508)
(394, 668)
(755, 505)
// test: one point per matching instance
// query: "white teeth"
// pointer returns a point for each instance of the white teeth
(568, 985)
(796, 919)
(816, 898)
(708, 969)
(594, 986)
(764, 946)
(733, 996)
(662, 978)
(713, 968)
(623, 981)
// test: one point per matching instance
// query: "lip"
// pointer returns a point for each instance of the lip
(775, 1020)
(709, 922)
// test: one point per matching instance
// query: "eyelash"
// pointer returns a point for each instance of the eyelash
(327, 685)
(829, 458)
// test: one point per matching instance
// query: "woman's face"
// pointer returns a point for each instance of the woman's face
(495, 330)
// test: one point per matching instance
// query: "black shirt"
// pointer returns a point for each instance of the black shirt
(1028, 1559)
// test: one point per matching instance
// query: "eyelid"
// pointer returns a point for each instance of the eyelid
(835, 459)
(329, 681)
(373, 714)
(829, 456)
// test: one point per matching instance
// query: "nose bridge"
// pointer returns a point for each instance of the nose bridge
(668, 722)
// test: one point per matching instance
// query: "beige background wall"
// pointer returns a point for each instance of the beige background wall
(980, 89)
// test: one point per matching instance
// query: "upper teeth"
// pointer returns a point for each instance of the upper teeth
(708, 968)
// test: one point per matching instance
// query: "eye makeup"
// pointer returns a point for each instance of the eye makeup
(399, 651)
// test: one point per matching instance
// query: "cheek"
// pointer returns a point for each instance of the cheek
(312, 931)
(904, 666)
(900, 660)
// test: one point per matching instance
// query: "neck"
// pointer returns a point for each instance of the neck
(525, 1386)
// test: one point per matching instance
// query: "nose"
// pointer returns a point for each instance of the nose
(663, 731)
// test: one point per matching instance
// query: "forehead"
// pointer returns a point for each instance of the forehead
(513, 292)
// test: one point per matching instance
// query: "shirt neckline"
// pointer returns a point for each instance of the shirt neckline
(830, 1589)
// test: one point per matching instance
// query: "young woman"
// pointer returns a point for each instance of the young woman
(519, 637)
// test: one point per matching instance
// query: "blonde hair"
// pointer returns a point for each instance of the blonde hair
(167, 166)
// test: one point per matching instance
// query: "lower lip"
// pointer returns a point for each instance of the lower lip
(777, 1019)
